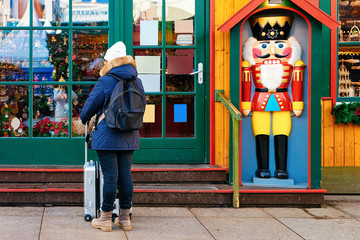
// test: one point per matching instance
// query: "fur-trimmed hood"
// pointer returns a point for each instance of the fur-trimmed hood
(116, 63)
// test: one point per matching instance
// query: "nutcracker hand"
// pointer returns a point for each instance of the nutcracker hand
(297, 112)
(245, 113)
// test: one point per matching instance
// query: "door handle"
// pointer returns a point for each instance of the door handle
(200, 73)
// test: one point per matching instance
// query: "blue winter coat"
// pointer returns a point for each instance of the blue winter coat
(106, 138)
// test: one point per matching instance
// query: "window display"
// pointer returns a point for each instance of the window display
(14, 111)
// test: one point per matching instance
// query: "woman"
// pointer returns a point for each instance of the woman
(114, 147)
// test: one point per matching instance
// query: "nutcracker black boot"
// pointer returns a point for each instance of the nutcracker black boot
(262, 155)
(281, 146)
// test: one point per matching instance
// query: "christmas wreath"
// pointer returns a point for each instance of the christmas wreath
(345, 113)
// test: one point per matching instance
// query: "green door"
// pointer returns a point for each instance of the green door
(167, 40)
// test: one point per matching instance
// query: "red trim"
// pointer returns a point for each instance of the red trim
(180, 191)
(284, 191)
(220, 168)
(326, 98)
(212, 83)
(179, 169)
(309, 82)
(65, 190)
(43, 190)
(315, 12)
(22, 190)
(39, 170)
(333, 54)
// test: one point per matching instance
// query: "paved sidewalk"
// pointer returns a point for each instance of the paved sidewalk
(339, 218)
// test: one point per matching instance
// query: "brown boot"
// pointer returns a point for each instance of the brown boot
(103, 222)
(123, 220)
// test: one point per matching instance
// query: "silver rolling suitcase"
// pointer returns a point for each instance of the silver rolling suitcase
(93, 187)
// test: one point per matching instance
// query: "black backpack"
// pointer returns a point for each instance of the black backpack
(126, 108)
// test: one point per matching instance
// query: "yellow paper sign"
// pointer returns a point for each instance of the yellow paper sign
(149, 115)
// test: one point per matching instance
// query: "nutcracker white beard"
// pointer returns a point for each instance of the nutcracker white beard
(271, 75)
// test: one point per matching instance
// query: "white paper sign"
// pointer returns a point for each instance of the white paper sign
(148, 64)
(149, 32)
(151, 82)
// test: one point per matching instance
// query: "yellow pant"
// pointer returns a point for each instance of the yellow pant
(281, 124)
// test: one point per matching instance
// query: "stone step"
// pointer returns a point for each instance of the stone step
(200, 195)
(142, 173)
(144, 194)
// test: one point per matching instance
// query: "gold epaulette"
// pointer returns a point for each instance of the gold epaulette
(299, 63)
(245, 63)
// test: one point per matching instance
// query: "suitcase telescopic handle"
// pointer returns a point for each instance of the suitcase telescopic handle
(86, 127)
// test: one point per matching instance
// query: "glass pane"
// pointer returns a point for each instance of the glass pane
(58, 46)
(147, 18)
(14, 13)
(350, 21)
(51, 110)
(89, 48)
(14, 55)
(148, 62)
(90, 13)
(179, 64)
(179, 116)
(180, 16)
(50, 13)
(14, 111)
(82, 92)
(42, 68)
(349, 72)
(152, 119)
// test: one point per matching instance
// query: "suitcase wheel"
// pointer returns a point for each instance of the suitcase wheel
(88, 217)
(114, 215)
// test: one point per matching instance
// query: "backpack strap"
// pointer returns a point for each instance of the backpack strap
(114, 76)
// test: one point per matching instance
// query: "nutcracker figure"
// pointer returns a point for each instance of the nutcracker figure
(272, 58)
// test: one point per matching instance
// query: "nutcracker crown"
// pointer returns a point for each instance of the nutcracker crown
(271, 27)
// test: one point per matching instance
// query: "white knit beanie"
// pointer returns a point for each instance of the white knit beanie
(117, 50)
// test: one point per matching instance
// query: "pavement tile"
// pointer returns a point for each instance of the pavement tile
(75, 227)
(230, 212)
(21, 211)
(161, 212)
(326, 212)
(247, 228)
(20, 227)
(342, 198)
(64, 211)
(350, 208)
(287, 212)
(165, 228)
(320, 229)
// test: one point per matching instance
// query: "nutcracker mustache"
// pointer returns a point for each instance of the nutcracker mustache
(271, 75)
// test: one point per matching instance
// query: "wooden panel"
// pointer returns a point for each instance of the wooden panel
(357, 146)
(349, 151)
(223, 11)
(327, 134)
(339, 145)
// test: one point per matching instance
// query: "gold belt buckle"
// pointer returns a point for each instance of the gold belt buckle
(271, 91)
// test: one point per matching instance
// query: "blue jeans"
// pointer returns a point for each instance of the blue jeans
(116, 168)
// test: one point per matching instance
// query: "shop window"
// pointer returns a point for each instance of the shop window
(50, 59)
(349, 50)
